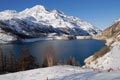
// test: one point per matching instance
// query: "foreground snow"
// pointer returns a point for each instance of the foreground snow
(62, 73)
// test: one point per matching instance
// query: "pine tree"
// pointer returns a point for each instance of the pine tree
(1, 61)
(10, 62)
(26, 60)
(71, 61)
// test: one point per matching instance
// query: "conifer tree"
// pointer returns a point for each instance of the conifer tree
(26, 60)
(10, 62)
(1, 61)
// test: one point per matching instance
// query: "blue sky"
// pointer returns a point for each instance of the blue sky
(100, 13)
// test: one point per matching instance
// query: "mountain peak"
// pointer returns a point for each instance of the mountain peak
(60, 22)
(56, 11)
(38, 7)
(35, 12)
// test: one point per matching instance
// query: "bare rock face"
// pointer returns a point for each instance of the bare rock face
(112, 31)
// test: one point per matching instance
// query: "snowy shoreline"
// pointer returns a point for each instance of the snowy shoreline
(60, 72)
(47, 38)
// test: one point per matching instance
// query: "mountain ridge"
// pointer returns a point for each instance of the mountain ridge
(39, 20)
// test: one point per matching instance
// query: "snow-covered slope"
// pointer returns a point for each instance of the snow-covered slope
(62, 73)
(5, 35)
(110, 59)
(37, 21)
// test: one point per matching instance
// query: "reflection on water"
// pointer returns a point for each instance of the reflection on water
(48, 53)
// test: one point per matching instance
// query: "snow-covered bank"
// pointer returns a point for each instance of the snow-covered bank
(107, 58)
(110, 60)
(62, 73)
(35, 39)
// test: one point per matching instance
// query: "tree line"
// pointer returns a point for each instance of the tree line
(9, 63)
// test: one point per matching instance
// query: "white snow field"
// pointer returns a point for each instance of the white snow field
(62, 73)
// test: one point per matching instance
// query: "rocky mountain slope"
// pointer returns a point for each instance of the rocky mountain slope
(111, 32)
(108, 57)
(39, 22)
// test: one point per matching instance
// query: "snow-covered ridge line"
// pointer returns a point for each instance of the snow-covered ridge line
(38, 21)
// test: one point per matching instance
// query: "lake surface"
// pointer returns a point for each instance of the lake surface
(63, 49)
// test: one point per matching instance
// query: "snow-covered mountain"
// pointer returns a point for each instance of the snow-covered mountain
(38, 21)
